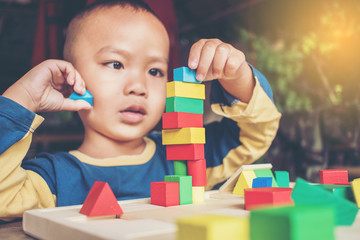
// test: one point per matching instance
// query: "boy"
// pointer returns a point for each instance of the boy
(119, 51)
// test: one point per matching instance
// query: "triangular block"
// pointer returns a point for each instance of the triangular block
(86, 97)
(100, 201)
(245, 181)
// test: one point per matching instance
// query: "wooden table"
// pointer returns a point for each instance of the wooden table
(13, 231)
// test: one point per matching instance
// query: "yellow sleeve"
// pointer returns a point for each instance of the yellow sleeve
(258, 122)
(21, 190)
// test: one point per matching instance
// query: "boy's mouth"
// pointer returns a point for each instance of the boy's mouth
(133, 114)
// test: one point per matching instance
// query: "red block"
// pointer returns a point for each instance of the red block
(165, 194)
(185, 152)
(182, 120)
(100, 201)
(267, 196)
(334, 176)
(197, 169)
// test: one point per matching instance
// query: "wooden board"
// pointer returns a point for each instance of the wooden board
(141, 220)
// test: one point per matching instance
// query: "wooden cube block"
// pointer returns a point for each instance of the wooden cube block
(267, 197)
(333, 176)
(185, 151)
(183, 136)
(185, 187)
(306, 193)
(165, 194)
(181, 120)
(185, 74)
(266, 173)
(244, 181)
(355, 185)
(198, 194)
(197, 169)
(293, 223)
(86, 97)
(282, 178)
(180, 104)
(186, 90)
(180, 167)
(262, 182)
(213, 227)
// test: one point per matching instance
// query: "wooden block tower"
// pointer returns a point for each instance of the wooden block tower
(184, 134)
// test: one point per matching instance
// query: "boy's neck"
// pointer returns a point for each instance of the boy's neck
(107, 148)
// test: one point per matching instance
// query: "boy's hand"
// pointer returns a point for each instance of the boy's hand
(215, 59)
(45, 87)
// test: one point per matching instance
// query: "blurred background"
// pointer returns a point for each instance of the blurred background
(308, 49)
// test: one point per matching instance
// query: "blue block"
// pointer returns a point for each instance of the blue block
(262, 182)
(185, 74)
(87, 97)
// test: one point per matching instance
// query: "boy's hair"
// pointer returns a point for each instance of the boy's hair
(75, 23)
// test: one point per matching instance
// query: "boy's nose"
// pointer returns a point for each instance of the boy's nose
(136, 85)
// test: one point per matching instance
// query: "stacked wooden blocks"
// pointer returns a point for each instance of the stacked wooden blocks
(184, 137)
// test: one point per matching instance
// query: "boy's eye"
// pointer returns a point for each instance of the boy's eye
(114, 65)
(156, 72)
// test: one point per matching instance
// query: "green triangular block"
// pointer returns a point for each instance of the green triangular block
(266, 173)
(305, 193)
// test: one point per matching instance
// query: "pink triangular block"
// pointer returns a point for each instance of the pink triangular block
(100, 201)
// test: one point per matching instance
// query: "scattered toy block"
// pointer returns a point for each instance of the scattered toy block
(186, 90)
(197, 169)
(260, 182)
(185, 187)
(180, 104)
(293, 223)
(245, 181)
(185, 151)
(180, 167)
(185, 74)
(334, 176)
(266, 173)
(229, 185)
(181, 120)
(343, 191)
(101, 201)
(198, 194)
(213, 227)
(305, 193)
(282, 178)
(87, 97)
(183, 136)
(267, 197)
(355, 185)
(165, 194)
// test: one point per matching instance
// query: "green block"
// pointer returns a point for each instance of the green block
(185, 187)
(180, 104)
(293, 223)
(180, 167)
(266, 173)
(305, 193)
(344, 191)
(282, 178)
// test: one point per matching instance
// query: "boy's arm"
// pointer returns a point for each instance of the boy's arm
(20, 190)
(245, 140)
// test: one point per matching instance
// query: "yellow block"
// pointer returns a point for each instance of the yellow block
(213, 227)
(183, 136)
(198, 194)
(186, 90)
(355, 184)
(245, 181)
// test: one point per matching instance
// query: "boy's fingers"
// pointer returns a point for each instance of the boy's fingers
(233, 64)
(79, 85)
(206, 58)
(194, 54)
(75, 105)
(221, 55)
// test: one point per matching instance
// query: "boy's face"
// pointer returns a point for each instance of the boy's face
(123, 57)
